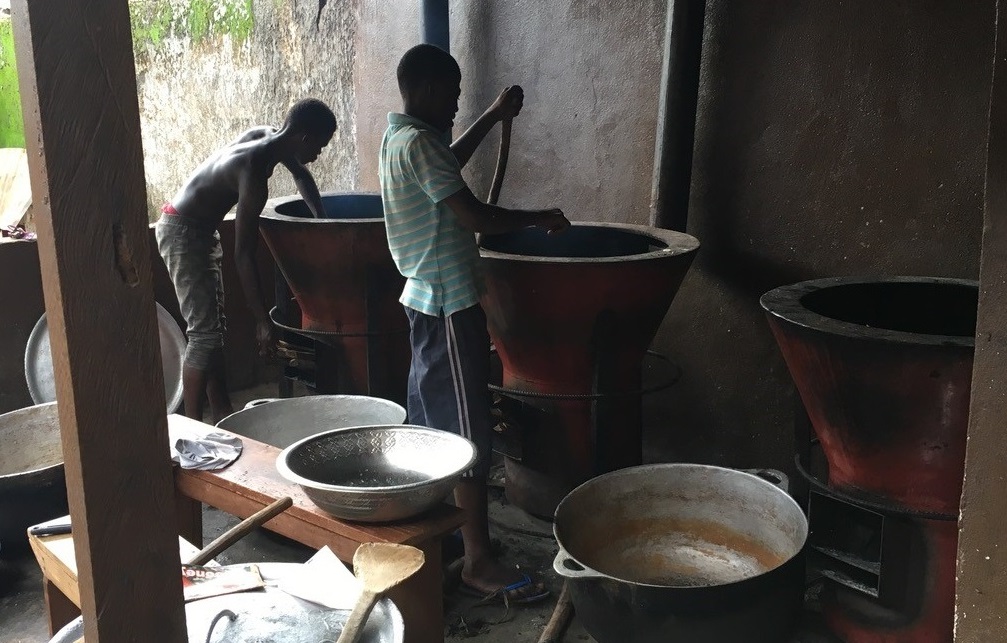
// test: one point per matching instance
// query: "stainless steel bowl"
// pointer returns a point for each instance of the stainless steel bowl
(377, 473)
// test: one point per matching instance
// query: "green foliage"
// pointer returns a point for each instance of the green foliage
(200, 20)
(11, 120)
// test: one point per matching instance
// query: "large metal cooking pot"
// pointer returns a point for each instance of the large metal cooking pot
(271, 615)
(282, 422)
(32, 482)
(682, 553)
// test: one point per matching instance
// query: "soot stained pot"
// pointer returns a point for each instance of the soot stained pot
(684, 553)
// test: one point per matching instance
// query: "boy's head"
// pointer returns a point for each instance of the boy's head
(430, 84)
(313, 124)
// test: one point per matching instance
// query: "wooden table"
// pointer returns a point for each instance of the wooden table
(252, 482)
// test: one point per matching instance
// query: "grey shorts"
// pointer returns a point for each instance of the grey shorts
(449, 375)
(192, 254)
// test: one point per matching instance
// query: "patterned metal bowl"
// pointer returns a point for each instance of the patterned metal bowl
(377, 473)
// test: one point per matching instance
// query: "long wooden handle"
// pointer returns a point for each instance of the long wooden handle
(354, 627)
(561, 615)
(240, 530)
(501, 169)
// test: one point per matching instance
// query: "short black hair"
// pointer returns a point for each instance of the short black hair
(426, 63)
(311, 116)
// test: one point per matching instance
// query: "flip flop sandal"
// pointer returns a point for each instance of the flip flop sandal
(503, 594)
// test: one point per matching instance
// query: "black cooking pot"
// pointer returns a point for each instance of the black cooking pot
(683, 553)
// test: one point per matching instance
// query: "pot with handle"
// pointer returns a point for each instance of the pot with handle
(281, 422)
(685, 553)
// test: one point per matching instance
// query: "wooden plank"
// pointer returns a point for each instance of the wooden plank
(15, 187)
(981, 591)
(82, 125)
(59, 609)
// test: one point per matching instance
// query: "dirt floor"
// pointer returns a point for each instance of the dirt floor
(522, 540)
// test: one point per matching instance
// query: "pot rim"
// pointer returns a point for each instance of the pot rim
(678, 244)
(269, 210)
(289, 401)
(6, 479)
(784, 303)
(593, 574)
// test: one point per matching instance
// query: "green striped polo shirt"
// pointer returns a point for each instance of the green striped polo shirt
(435, 254)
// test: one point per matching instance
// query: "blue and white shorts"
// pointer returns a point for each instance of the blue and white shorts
(449, 375)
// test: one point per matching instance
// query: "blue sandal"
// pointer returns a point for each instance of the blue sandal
(504, 593)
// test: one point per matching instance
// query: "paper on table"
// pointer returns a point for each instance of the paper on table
(323, 580)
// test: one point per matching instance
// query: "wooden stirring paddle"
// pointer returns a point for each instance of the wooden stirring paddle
(379, 567)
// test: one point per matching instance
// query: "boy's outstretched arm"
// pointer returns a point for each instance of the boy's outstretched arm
(306, 187)
(476, 216)
(252, 191)
(507, 105)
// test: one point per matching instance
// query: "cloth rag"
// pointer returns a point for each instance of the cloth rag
(205, 451)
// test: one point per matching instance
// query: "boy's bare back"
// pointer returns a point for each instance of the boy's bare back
(214, 187)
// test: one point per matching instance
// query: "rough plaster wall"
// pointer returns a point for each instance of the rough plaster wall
(197, 96)
(590, 72)
(385, 31)
(833, 139)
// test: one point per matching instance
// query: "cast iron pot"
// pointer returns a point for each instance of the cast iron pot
(684, 553)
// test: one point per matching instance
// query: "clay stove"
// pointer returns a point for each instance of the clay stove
(346, 289)
(571, 317)
(884, 369)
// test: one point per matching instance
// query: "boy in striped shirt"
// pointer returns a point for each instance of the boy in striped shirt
(431, 218)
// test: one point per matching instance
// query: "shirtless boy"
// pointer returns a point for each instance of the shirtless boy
(188, 240)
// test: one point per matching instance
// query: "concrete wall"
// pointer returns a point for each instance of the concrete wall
(585, 139)
(202, 81)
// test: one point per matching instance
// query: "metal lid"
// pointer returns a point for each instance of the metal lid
(38, 369)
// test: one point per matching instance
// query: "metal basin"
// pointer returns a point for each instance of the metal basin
(32, 481)
(572, 316)
(347, 288)
(272, 615)
(682, 553)
(883, 366)
(282, 422)
(38, 365)
(377, 473)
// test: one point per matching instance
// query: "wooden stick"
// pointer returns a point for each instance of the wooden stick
(239, 531)
(560, 619)
(236, 533)
(498, 174)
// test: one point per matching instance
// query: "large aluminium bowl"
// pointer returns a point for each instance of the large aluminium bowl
(32, 481)
(377, 473)
(282, 422)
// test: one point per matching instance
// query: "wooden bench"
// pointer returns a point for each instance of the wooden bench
(58, 562)
(252, 482)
